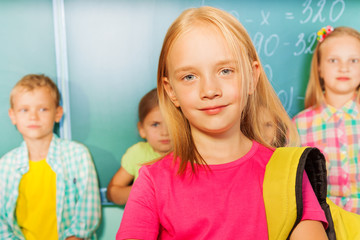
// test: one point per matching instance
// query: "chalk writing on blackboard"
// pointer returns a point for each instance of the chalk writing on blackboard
(317, 14)
(270, 44)
(311, 12)
(265, 17)
(289, 16)
(302, 43)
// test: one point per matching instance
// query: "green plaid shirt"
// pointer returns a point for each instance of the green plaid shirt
(78, 206)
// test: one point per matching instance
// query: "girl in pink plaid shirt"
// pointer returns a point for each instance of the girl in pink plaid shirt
(331, 120)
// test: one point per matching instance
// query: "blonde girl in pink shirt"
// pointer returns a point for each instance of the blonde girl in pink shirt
(211, 86)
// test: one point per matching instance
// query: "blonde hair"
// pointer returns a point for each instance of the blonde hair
(34, 81)
(245, 54)
(315, 89)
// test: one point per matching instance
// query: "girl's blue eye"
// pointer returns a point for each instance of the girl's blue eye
(189, 77)
(155, 124)
(355, 60)
(23, 110)
(332, 60)
(226, 71)
(43, 109)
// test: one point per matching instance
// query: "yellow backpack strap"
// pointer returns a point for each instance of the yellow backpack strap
(347, 224)
(282, 189)
(279, 192)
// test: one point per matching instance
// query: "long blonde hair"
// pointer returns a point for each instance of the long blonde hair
(314, 96)
(244, 51)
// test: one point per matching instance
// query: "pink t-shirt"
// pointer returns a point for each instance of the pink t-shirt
(225, 201)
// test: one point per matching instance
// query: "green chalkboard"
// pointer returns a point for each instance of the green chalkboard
(113, 49)
(112, 53)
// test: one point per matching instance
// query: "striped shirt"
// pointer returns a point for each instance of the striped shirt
(336, 132)
(78, 206)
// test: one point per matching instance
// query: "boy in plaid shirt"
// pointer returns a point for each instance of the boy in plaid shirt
(48, 186)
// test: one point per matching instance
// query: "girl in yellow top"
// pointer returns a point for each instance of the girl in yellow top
(151, 127)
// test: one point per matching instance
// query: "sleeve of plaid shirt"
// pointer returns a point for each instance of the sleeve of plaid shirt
(5, 230)
(88, 207)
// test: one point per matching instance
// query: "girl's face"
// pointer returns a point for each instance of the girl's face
(154, 130)
(267, 125)
(203, 80)
(340, 66)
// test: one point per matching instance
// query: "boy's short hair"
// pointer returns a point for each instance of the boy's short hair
(33, 81)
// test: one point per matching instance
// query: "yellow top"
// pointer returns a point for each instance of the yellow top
(36, 204)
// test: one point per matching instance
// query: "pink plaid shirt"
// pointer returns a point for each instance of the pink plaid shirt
(336, 132)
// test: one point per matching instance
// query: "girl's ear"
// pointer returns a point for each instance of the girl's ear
(255, 76)
(141, 130)
(170, 91)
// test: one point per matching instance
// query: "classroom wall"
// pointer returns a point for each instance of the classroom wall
(26, 46)
(112, 53)
(113, 49)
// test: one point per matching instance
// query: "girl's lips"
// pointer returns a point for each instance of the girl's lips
(165, 141)
(213, 110)
(343, 78)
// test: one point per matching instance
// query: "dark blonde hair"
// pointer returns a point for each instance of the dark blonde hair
(147, 103)
(31, 82)
(244, 52)
(315, 89)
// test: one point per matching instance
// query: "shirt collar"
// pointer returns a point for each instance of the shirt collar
(22, 159)
(349, 108)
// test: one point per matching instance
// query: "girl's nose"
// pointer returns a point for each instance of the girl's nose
(344, 67)
(164, 130)
(210, 88)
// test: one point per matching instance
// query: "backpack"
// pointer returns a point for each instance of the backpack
(282, 192)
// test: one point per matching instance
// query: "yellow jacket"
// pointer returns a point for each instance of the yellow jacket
(283, 194)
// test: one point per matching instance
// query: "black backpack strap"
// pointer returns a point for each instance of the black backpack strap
(313, 162)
